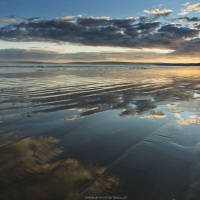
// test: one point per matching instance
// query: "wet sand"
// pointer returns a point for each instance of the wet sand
(113, 133)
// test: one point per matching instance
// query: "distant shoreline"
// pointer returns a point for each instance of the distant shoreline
(103, 63)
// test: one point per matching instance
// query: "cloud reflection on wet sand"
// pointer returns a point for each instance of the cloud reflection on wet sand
(98, 91)
(26, 171)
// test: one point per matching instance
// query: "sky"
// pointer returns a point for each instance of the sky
(107, 30)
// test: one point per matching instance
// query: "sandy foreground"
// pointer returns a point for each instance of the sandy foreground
(99, 134)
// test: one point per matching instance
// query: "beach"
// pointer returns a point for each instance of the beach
(111, 132)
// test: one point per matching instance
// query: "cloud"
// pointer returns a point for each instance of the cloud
(14, 54)
(144, 19)
(105, 21)
(186, 4)
(32, 19)
(172, 30)
(194, 7)
(38, 54)
(93, 22)
(159, 12)
(188, 121)
(137, 33)
(154, 115)
(189, 46)
(197, 26)
(36, 158)
(190, 8)
(86, 31)
(8, 19)
(188, 19)
(69, 17)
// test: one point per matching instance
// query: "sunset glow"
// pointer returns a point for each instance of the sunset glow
(136, 31)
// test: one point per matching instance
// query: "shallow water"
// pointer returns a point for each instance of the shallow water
(74, 133)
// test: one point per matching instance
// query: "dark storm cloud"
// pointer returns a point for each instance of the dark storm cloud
(123, 23)
(197, 26)
(105, 21)
(93, 21)
(103, 31)
(191, 46)
(187, 19)
(150, 26)
(173, 30)
(99, 32)
(144, 19)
